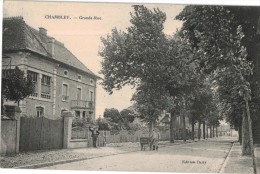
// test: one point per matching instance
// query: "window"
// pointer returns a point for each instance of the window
(7, 72)
(46, 87)
(77, 114)
(84, 115)
(91, 95)
(91, 81)
(39, 111)
(78, 93)
(66, 73)
(65, 92)
(34, 77)
(79, 78)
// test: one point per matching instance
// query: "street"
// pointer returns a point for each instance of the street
(202, 156)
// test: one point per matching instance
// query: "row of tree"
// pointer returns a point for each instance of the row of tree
(204, 71)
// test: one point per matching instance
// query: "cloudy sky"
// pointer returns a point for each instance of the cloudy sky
(82, 37)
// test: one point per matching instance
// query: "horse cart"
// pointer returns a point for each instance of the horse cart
(145, 142)
(148, 142)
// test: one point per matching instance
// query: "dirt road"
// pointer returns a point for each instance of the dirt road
(203, 156)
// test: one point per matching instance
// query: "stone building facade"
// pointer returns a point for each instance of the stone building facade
(62, 82)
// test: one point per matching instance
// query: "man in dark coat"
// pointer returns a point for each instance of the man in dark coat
(94, 135)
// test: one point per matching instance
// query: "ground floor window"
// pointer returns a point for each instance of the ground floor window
(39, 111)
(91, 114)
(77, 113)
(84, 115)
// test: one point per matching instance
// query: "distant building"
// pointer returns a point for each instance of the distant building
(62, 82)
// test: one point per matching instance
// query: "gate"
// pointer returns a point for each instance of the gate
(41, 133)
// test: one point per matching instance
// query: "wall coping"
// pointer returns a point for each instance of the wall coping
(78, 140)
(67, 114)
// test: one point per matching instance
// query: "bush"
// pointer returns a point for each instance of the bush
(78, 122)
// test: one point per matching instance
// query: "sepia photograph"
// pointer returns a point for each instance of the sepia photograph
(130, 87)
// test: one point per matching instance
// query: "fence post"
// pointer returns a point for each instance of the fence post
(67, 116)
(14, 112)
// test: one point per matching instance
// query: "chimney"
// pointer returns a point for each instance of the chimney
(50, 46)
(43, 31)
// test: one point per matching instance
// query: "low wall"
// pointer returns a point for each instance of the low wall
(8, 136)
(133, 136)
(78, 143)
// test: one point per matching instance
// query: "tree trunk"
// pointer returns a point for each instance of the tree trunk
(204, 130)
(210, 133)
(216, 131)
(184, 122)
(213, 132)
(250, 131)
(199, 131)
(183, 128)
(240, 132)
(246, 150)
(172, 127)
(192, 130)
(151, 127)
(178, 119)
(207, 131)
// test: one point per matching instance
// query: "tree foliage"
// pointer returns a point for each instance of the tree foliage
(127, 115)
(16, 87)
(224, 38)
(112, 115)
(161, 67)
(218, 35)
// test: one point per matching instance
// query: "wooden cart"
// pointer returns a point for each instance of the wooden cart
(145, 141)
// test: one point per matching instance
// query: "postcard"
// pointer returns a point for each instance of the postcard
(130, 87)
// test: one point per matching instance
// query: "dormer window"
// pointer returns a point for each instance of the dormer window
(79, 78)
(66, 73)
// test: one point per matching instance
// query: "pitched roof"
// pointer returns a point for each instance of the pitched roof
(17, 35)
(166, 119)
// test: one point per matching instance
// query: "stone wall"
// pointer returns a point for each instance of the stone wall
(8, 136)
(10, 130)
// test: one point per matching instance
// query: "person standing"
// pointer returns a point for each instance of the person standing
(94, 135)
(155, 136)
(156, 140)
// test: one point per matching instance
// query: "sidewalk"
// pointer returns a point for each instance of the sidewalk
(236, 163)
(36, 159)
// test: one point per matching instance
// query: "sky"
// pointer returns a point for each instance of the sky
(82, 36)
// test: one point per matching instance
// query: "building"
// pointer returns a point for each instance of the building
(62, 82)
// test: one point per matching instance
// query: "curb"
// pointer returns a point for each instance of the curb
(226, 159)
(40, 165)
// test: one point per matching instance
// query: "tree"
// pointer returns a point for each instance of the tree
(151, 103)
(223, 36)
(145, 57)
(103, 124)
(135, 56)
(112, 115)
(127, 115)
(16, 86)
